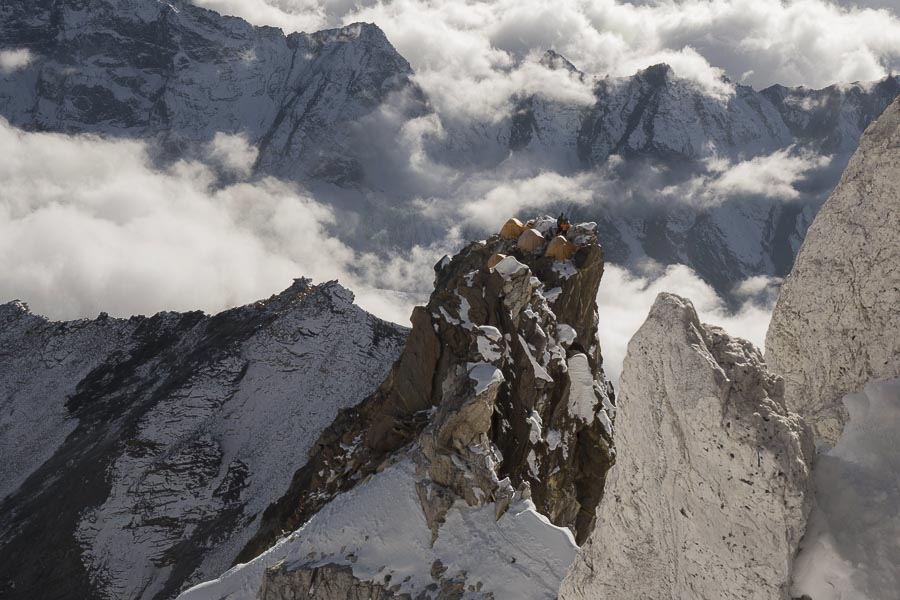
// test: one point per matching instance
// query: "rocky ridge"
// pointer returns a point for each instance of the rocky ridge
(712, 487)
(835, 326)
(496, 413)
(139, 453)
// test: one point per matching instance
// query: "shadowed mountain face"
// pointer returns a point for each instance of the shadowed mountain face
(139, 453)
(326, 110)
(177, 74)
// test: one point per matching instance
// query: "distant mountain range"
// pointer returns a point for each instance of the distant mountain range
(314, 104)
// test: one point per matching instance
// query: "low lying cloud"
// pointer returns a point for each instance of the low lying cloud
(774, 175)
(624, 300)
(89, 225)
(12, 60)
(233, 153)
(290, 15)
(496, 196)
(470, 56)
(852, 539)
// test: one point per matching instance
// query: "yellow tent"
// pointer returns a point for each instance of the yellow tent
(560, 248)
(494, 259)
(512, 229)
(531, 240)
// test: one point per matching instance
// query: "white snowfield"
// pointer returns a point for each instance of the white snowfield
(38, 371)
(379, 530)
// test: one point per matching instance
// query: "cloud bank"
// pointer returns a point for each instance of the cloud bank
(469, 56)
(852, 541)
(774, 175)
(89, 225)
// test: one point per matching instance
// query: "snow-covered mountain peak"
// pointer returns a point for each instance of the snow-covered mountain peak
(554, 60)
(154, 443)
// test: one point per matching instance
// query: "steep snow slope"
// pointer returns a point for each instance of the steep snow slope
(163, 438)
(836, 323)
(379, 531)
(465, 471)
(711, 490)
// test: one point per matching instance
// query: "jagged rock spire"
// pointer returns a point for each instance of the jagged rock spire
(712, 488)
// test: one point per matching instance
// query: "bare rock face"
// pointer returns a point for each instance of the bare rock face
(710, 493)
(485, 449)
(837, 324)
(328, 582)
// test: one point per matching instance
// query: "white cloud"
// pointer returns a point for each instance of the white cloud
(89, 225)
(12, 60)
(469, 55)
(852, 539)
(774, 175)
(289, 15)
(234, 153)
(624, 300)
(494, 198)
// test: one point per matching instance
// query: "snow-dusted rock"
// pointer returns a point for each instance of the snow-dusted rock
(836, 325)
(709, 495)
(138, 453)
(492, 434)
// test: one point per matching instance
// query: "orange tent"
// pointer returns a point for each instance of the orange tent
(512, 229)
(560, 248)
(531, 240)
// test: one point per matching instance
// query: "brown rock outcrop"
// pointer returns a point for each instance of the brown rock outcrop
(500, 386)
